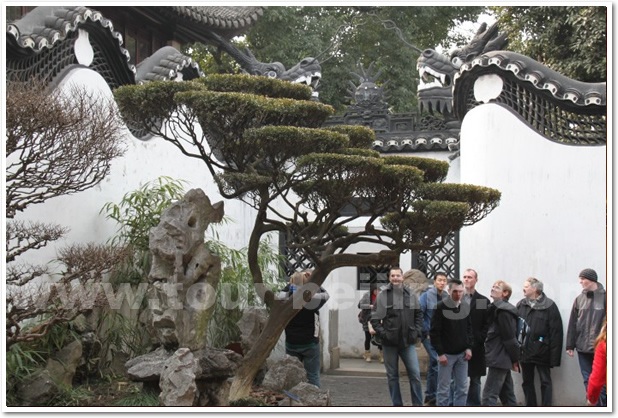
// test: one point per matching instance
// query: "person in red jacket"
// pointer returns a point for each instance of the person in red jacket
(598, 377)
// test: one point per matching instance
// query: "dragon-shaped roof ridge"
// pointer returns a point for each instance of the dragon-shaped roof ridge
(541, 77)
(223, 17)
(165, 64)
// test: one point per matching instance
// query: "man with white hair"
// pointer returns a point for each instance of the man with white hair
(543, 347)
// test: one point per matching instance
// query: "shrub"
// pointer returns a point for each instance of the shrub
(137, 212)
(262, 86)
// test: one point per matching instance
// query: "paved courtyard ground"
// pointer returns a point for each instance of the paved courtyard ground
(357, 383)
(362, 391)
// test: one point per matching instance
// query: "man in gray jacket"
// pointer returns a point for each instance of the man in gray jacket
(587, 319)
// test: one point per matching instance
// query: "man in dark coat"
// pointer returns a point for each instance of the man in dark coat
(397, 320)
(451, 337)
(543, 347)
(501, 348)
(479, 315)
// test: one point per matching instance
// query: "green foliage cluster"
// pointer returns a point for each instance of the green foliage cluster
(151, 102)
(235, 291)
(481, 200)
(21, 361)
(211, 59)
(138, 397)
(24, 358)
(428, 223)
(70, 396)
(433, 170)
(337, 178)
(569, 39)
(361, 152)
(284, 142)
(113, 333)
(137, 212)
(261, 86)
(229, 113)
(360, 136)
(140, 210)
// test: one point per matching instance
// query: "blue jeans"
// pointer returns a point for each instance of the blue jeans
(499, 384)
(310, 357)
(432, 371)
(585, 365)
(410, 360)
(474, 391)
(457, 370)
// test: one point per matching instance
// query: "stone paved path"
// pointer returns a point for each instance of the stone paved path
(362, 390)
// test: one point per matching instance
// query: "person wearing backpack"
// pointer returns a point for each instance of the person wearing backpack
(542, 348)
(501, 348)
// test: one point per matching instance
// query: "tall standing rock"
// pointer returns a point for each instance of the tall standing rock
(184, 274)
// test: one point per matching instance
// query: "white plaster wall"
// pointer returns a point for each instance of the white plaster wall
(550, 224)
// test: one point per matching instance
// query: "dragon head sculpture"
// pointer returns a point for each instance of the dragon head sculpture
(308, 71)
(437, 71)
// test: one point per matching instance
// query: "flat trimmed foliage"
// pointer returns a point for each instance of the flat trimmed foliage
(258, 85)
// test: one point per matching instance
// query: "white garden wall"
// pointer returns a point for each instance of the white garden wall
(551, 222)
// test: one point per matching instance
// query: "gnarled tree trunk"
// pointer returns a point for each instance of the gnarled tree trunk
(281, 313)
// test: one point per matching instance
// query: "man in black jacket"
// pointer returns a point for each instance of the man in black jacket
(501, 348)
(479, 315)
(543, 347)
(302, 334)
(397, 320)
(451, 337)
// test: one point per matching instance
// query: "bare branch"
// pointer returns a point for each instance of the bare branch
(90, 262)
(27, 301)
(24, 236)
(20, 274)
(56, 144)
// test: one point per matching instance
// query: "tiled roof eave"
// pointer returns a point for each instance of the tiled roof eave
(51, 25)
